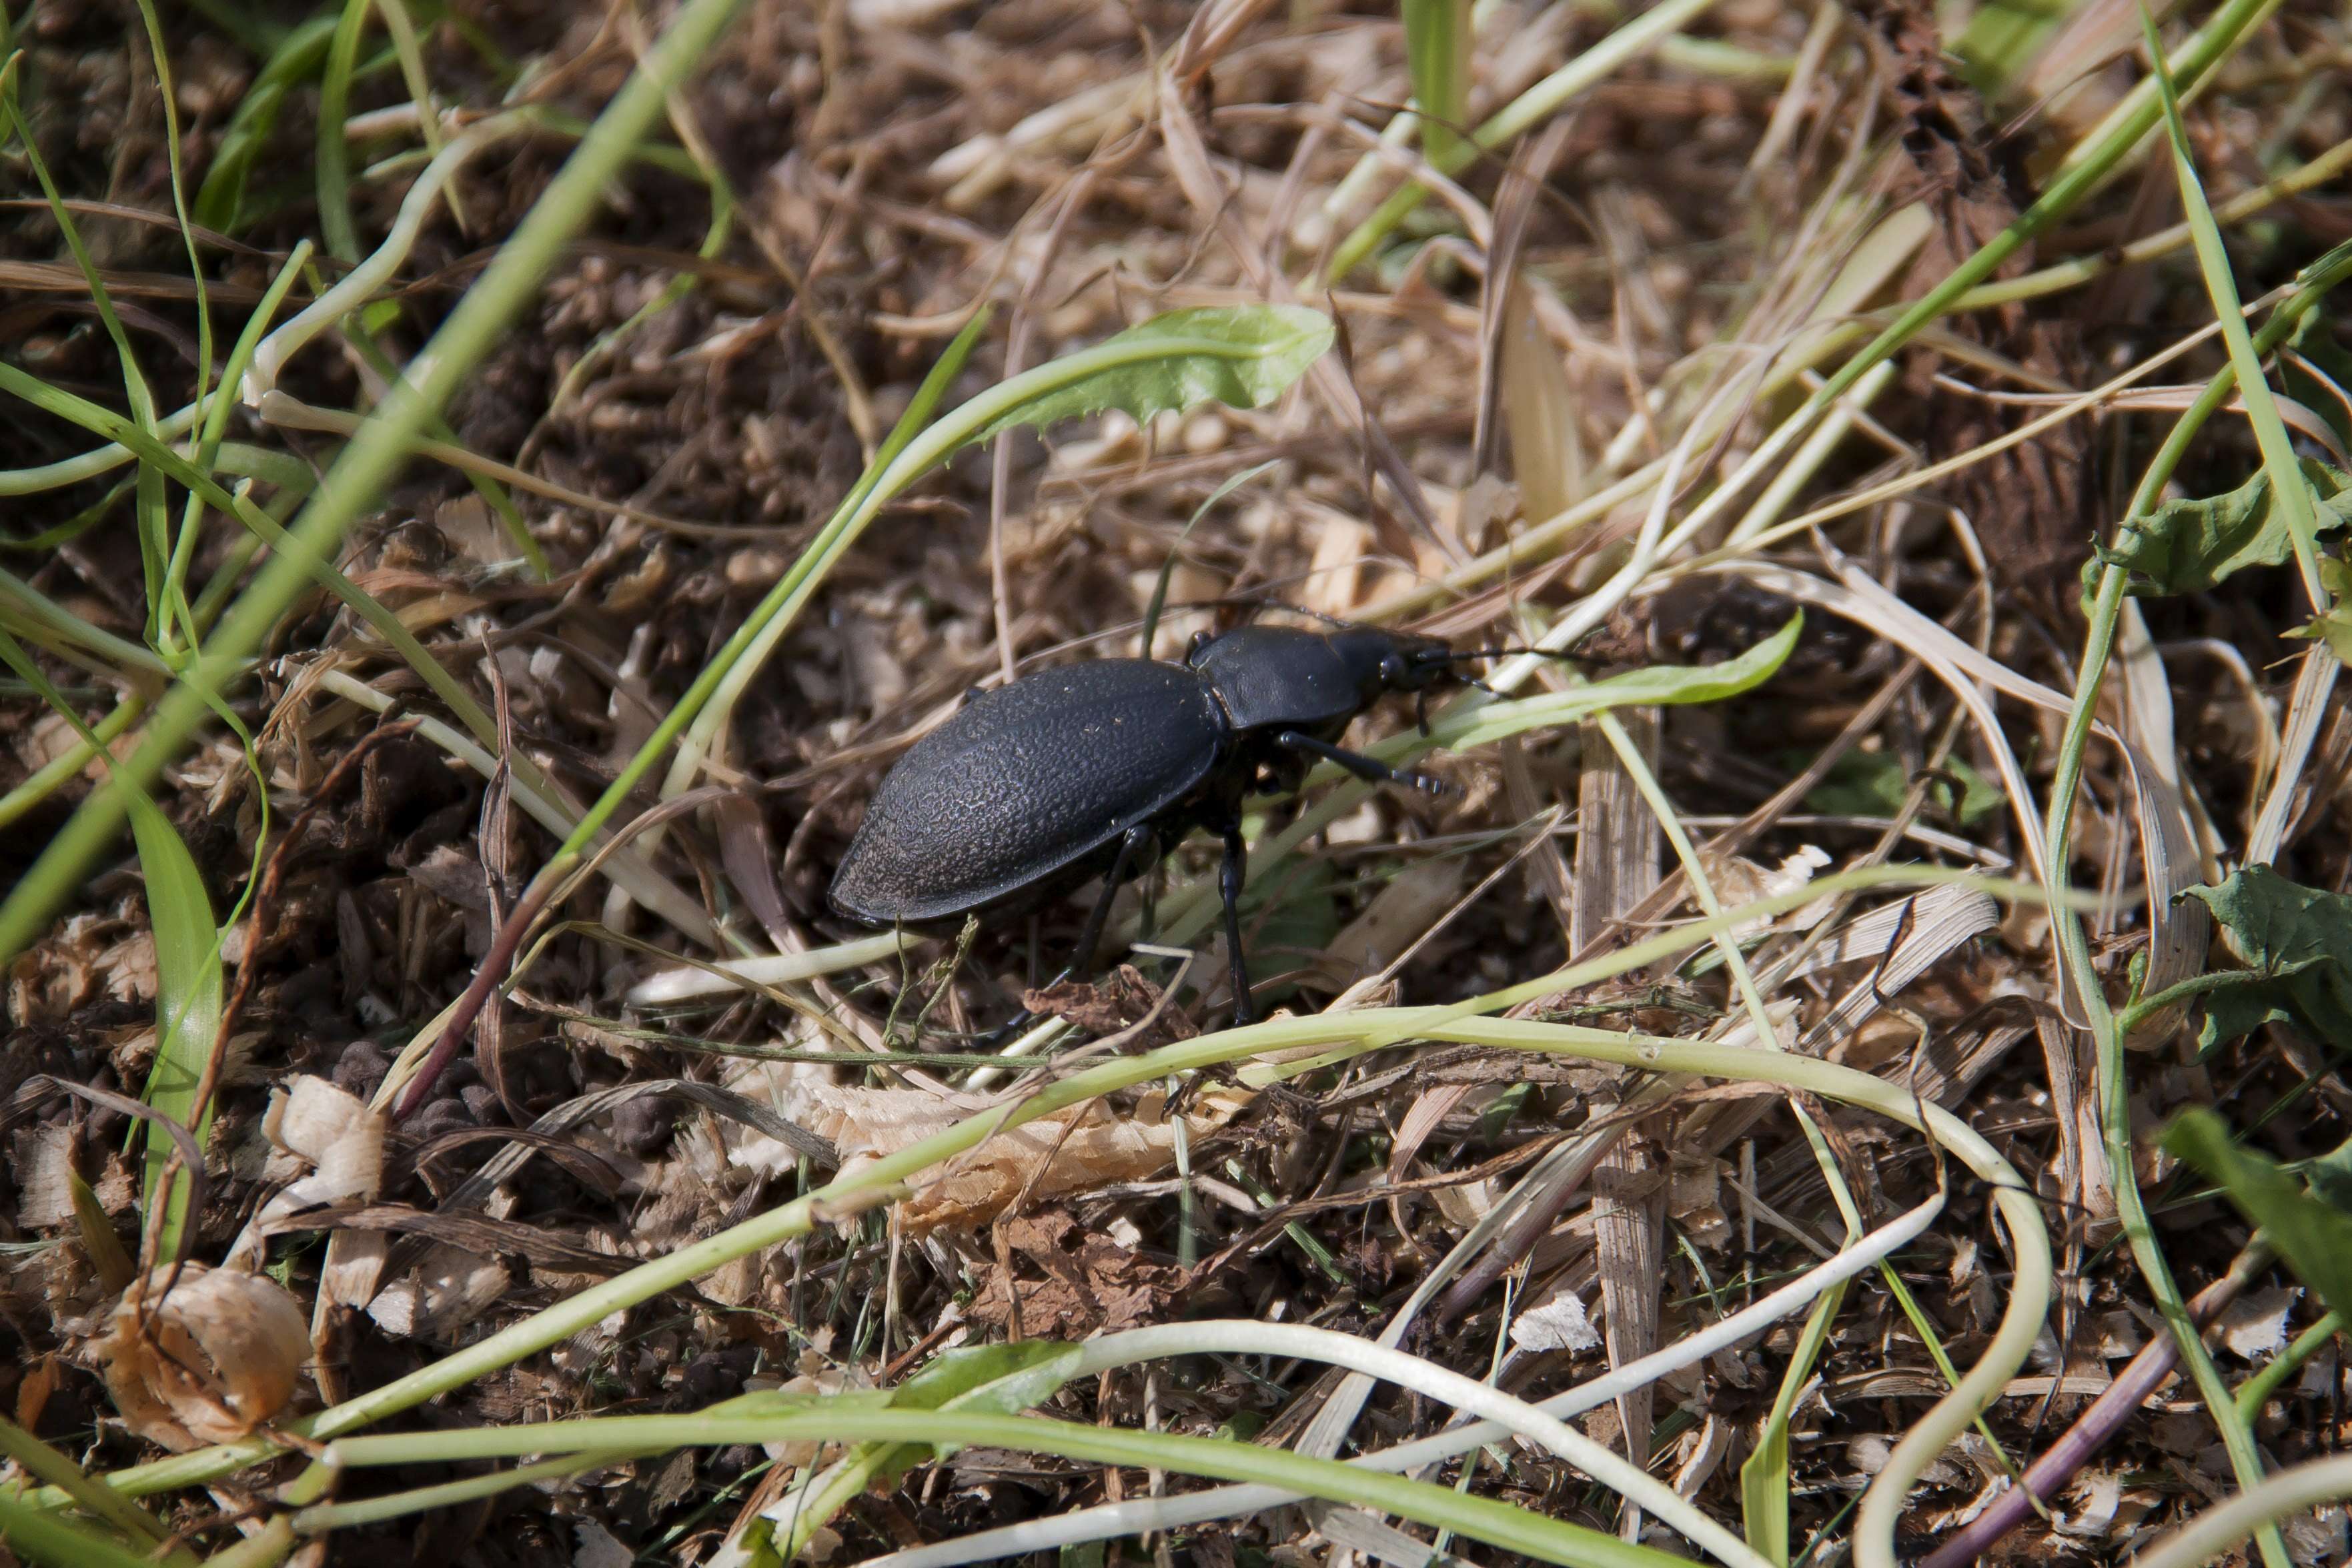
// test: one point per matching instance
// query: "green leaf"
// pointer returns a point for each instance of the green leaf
(993, 1379)
(2295, 502)
(187, 1001)
(1764, 1478)
(2332, 625)
(1292, 911)
(104, 1250)
(999, 1379)
(2314, 1238)
(2296, 942)
(2330, 1176)
(2188, 546)
(1872, 784)
(1244, 355)
(1651, 686)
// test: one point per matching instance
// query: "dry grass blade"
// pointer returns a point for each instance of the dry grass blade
(1616, 867)
(1712, 314)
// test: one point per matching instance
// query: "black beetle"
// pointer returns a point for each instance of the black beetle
(1093, 770)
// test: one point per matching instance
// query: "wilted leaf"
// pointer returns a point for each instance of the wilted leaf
(1120, 1001)
(2315, 1238)
(43, 1169)
(2298, 940)
(1070, 1151)
(1090, 1284)
(2254, 1327)
(447, 1288)
(2187, 546)
(1243, 355)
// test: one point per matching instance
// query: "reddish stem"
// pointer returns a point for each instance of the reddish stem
(2096, 1426)
(495, 965)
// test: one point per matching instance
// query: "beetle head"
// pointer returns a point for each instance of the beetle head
(1392, 661)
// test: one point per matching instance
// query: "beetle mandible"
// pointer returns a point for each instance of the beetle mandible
(1096, 769)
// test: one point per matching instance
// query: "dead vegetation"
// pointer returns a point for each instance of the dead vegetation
(1568, 397)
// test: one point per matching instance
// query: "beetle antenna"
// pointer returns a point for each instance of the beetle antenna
(1295, 610)
(1499, 652)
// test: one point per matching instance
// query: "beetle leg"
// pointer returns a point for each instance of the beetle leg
(1134, 841)
(1229, 889)
(1369, 769)
(1133, 845)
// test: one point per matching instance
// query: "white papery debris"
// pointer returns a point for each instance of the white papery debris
(1739, 881)
(449, 1289)
(2254, 1326)
(331, 1135)
(1561, 1323)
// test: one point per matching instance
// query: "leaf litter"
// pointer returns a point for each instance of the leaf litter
(907, 162)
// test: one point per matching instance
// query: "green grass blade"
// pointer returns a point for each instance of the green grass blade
(53, 776)
(493, 494)
(357, 480)
(163, 460)
(175, 628)
(153, 546)
(850, 1418)
(333, 157)
(297, 56)
(218, 410)
(46, 1464)
(188, 998)
(1537, 104)
(34, 607)
(187, 968)
(1437, 43)
(1764, 1478)
(43, 1538)
(2290, 492)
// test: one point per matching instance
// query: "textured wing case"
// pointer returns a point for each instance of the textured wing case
(1026, 782)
